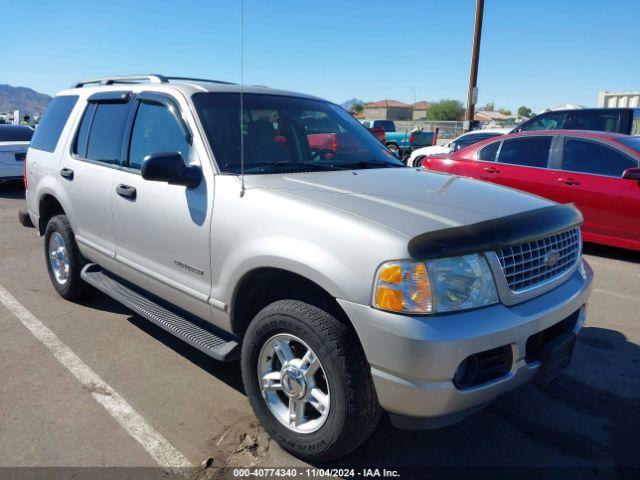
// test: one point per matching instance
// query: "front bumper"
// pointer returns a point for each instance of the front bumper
(414, 358)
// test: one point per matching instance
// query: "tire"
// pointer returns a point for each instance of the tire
(353, 408)
(72, 287)
(394, 149)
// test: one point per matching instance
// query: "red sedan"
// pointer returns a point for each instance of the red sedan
(599, 172)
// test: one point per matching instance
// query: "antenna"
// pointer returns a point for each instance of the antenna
(242, 98)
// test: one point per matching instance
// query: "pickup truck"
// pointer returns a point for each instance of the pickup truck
(344, 282)
(401, 143)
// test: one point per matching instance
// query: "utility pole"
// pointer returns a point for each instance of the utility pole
(472, 98)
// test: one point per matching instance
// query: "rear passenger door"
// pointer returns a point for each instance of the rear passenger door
(87, 171)
(520, 163)
(162, 231)
(591, 177)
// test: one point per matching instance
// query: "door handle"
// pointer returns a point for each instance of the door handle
(126, 191)
(492, 170)
(66, 173)
(568, 181)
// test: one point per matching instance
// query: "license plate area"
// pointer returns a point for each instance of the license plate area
(555, 356)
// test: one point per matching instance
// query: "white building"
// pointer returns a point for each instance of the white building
(618, 99)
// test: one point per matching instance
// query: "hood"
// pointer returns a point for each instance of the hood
(407, 200)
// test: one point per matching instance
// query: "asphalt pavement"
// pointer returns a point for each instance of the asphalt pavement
(148, 385)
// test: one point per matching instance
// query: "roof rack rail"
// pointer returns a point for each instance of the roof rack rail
(121, 79)
(152, 78)
(200, 80)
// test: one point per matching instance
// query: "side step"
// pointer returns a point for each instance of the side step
(195, 333)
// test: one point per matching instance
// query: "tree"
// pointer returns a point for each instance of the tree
(505, 111)
(446, 109)
(356, 108)
(489, 107)
(525, 111)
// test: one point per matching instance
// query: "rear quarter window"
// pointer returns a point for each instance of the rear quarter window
(585, 156)
(488, 153)
(53, 121)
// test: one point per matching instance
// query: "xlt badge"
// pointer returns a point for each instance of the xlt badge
(196, 270)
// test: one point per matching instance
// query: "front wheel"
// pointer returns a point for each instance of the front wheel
(308, 381)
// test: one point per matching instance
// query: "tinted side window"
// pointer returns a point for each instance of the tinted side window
(53, 121)
(107, 128)
(468, 140)
(635, 123)
(527, 151)
(599, 120)
(155, 130)
(82, 137)
(488, 153)
(546, 121)
(386, 125)
(591, 157)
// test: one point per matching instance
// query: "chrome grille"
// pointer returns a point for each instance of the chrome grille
(527, 264)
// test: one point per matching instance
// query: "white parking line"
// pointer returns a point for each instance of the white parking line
(165, 454)
(624, 296)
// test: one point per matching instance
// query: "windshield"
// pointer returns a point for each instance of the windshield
(631, 142)
(287, 134)
(15, 133)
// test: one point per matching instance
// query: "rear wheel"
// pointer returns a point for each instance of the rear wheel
(394, 149)
(308, 381)
(64, 261)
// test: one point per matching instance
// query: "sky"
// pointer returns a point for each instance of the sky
(534, 53)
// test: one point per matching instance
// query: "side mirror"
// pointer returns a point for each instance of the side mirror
(169, 167)
(631, 174)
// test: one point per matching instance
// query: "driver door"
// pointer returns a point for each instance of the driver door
(162, 231)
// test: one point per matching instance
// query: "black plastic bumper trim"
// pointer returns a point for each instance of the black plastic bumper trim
(494, 234)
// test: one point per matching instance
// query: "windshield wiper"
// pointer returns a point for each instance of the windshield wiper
(368, 163)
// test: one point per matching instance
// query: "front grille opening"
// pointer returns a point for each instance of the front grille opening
(536, 342)
(529, 264)
(483, 367)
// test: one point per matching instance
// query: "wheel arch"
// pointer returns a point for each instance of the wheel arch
(48, 206)
(262, 286)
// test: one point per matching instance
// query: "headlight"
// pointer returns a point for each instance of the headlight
(434, 286)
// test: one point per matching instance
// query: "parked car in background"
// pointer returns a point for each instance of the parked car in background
(614, 120)
(401, 143)
(14, 142)
(456, 144)
(598, 172)
(380, 134)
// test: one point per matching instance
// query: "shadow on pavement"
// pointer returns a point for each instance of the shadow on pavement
(228, 373)
(588, 417)
(13, 189)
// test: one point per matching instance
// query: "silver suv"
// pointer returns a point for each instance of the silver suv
(272, 227)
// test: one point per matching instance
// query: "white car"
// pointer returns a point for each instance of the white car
(456, 144)
(14, 142)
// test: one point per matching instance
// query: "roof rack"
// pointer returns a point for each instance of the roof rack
(151, 78)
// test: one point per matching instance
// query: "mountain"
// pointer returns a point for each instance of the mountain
(349, 103)
(22, 98)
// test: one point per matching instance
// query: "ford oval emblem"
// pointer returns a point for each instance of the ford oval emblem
(551, 258)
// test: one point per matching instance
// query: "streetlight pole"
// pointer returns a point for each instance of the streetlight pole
(472, 98)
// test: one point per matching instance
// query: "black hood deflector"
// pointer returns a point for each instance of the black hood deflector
(497, 233)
